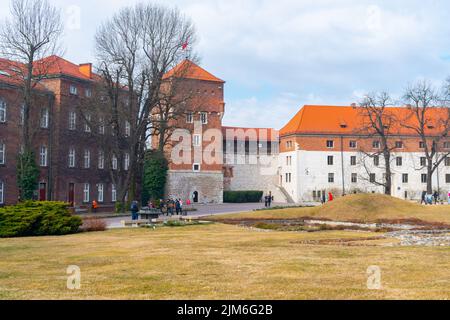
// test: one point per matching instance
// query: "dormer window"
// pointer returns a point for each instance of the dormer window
(73, 90)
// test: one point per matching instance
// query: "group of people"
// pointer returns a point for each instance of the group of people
(268, 199)
(429, 199)
(170, 206)
(326, 197)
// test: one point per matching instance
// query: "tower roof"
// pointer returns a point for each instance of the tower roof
(189, 70)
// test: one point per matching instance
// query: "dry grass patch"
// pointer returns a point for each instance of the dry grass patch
(217, 262)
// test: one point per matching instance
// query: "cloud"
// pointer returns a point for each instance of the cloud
(279, 55)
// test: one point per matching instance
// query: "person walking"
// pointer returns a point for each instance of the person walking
(94, 206)
(330, 196)
(134, 210)
(435, 197)
(270, 199)
(180, 202)
(423, 200)
(324, 197)
(177, 207)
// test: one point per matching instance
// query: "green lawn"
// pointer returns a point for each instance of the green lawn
(219, 262)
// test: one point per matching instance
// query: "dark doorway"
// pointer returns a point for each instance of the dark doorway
(42, 191)
(71, 194)
(195, 197)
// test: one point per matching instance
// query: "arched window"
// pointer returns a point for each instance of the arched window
(2, 110)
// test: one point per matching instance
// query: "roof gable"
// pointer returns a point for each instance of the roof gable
(189, 70)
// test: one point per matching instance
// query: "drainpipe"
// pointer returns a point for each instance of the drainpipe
(342, 165)
(50, 148)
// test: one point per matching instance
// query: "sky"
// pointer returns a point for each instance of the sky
(278, 55)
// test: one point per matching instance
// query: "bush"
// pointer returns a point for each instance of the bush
(33, 218)
(242, 196)
(93, 224)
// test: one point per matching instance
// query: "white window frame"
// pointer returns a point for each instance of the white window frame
(196, 165)
(88, 92)
(113, 193)
(127, 128)
(332, 144)
(189, 117)
(2, 153)
(73, 90)
(86, 192)
(2, 192)
(355, 144)
(114, 162)
(72, 157)
(100, 192)
(2, 111)
(87, 159)
(43, 156)
(101, 159)
(126, 161)
(44, 118)
(204, 117)
(197, 140)
(354, 178)
(101, 126)
(22, 114)
(72, 120)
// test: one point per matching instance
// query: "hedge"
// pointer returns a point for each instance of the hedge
(242, 196)
(34, 218)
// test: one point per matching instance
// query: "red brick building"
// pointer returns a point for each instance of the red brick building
(73, 166)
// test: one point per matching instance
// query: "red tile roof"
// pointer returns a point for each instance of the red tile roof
(261, 134)
(349, 120)
(11, 72)
(54, 65)
(189, 70)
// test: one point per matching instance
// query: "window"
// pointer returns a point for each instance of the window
(44, 118)
(422, 145)
(22, 114)
(100, 192)
(353, 160)
(405, 178)
(72, 158)
(2, 153)
(127, 129)
(87, 125)
(354, 178)
(423, 161)
(101, 159)
(2, 111)
(197, 140)
(87, 159)
(204, 117)
(372, 178)
(189, 117)
(196, 167)
(126, 164)
(398, 144)
(2, 192)
(73, 90)
(447, 145)
(288, 177)
(88, 93)
(330, 160)
(113, 193)
(399, 161)
(289, 144)
(86, 192)
(447, 180)
(43, 156)
(289, 160)
(72, 120)
(101, 126)
(447, 161)
(353, 144)
(376, 161)
(331, 178)
(114, 162)
(376, 144)
(424, 178)
(330, 144)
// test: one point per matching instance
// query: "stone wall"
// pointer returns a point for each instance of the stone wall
(183, 184)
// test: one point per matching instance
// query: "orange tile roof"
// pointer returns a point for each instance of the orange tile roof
(189, 70)
(262, 134)
(330, 120)
(11, 72)
(54, 65)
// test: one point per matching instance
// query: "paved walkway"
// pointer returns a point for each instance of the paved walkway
(205, 210)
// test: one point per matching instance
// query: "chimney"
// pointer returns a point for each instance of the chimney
(86, 69)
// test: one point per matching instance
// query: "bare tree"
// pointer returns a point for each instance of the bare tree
(135, 49)
(32, 33)
(430, 120)
(377, 121)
